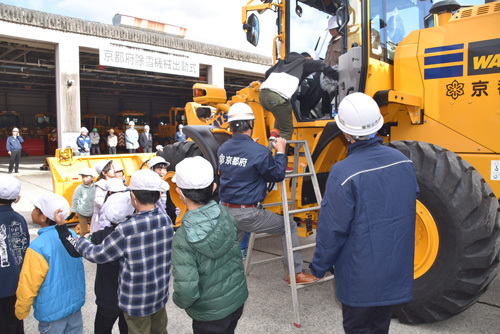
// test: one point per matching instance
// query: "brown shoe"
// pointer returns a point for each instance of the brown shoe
(302, 278)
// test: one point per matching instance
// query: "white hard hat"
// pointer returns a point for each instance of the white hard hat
(145, 179)
(157, 160)
(87, 171)
(332, 23)
(115, 185)
(117, 167)
(84, 129)
(15, 130)
(193, 173)
(48, 203)
(240, 112)
(101, 164)
(10, 187)
(146, 127)
(118, 207)
(131, 123)
(181, 126)
(359, 115)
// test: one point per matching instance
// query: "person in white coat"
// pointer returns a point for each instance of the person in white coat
(131, 138)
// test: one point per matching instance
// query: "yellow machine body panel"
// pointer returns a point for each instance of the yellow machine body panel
(455, 69)
(460, 70)
(65, 167)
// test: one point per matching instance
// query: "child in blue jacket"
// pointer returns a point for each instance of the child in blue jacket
(51, 280)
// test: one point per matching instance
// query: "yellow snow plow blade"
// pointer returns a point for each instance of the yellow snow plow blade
(65, 167)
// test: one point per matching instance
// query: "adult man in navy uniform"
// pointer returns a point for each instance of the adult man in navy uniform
(14, 148)
(245, 168)
(366, 225)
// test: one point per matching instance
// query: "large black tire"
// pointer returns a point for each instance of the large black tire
(466, 213)
(176, 152)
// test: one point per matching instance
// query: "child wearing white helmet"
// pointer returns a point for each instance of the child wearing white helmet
(14, 241)
(116, 210)
(51, 281)
(106, 171)
(142, 244)
(159, 165)
(206, 244)
(119, 171)
(83, 200)
(113, 186)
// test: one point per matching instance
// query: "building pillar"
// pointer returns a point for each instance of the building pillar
(68, 94)
(215, 75)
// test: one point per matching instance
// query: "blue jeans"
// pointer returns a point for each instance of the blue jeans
(72, 324)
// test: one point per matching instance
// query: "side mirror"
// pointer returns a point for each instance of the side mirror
(298, 9)
(252, 29)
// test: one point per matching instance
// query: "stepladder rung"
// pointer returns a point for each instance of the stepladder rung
(290, 175)
(313, 208)
(311, 245)
(270, 205)
(326, 279)
(289, 186)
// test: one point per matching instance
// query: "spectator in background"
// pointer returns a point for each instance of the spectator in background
(94, 139)
(179, 135)
(14, 240)
(83, 142)
(131, 138)
(112, 141)
(146, 140)
(14, 148)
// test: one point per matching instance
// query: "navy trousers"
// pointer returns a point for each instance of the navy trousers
(367, 320)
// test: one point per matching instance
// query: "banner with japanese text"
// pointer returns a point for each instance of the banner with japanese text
(147, 60)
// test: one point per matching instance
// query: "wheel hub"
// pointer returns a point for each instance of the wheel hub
(426, 241)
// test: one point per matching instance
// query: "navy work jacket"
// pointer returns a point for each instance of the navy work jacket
(366, 226)
(14, 143)
(245, 167)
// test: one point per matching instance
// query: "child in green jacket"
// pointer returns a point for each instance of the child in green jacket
(83, 200)
(209, 278)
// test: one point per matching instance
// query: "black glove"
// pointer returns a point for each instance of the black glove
(70, 216)
(331, 73)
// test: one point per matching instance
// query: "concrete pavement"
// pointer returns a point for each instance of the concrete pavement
(269, 306)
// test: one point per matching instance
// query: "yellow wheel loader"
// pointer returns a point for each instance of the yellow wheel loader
(434, 70)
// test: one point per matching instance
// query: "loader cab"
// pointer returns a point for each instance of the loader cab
(370, 32)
